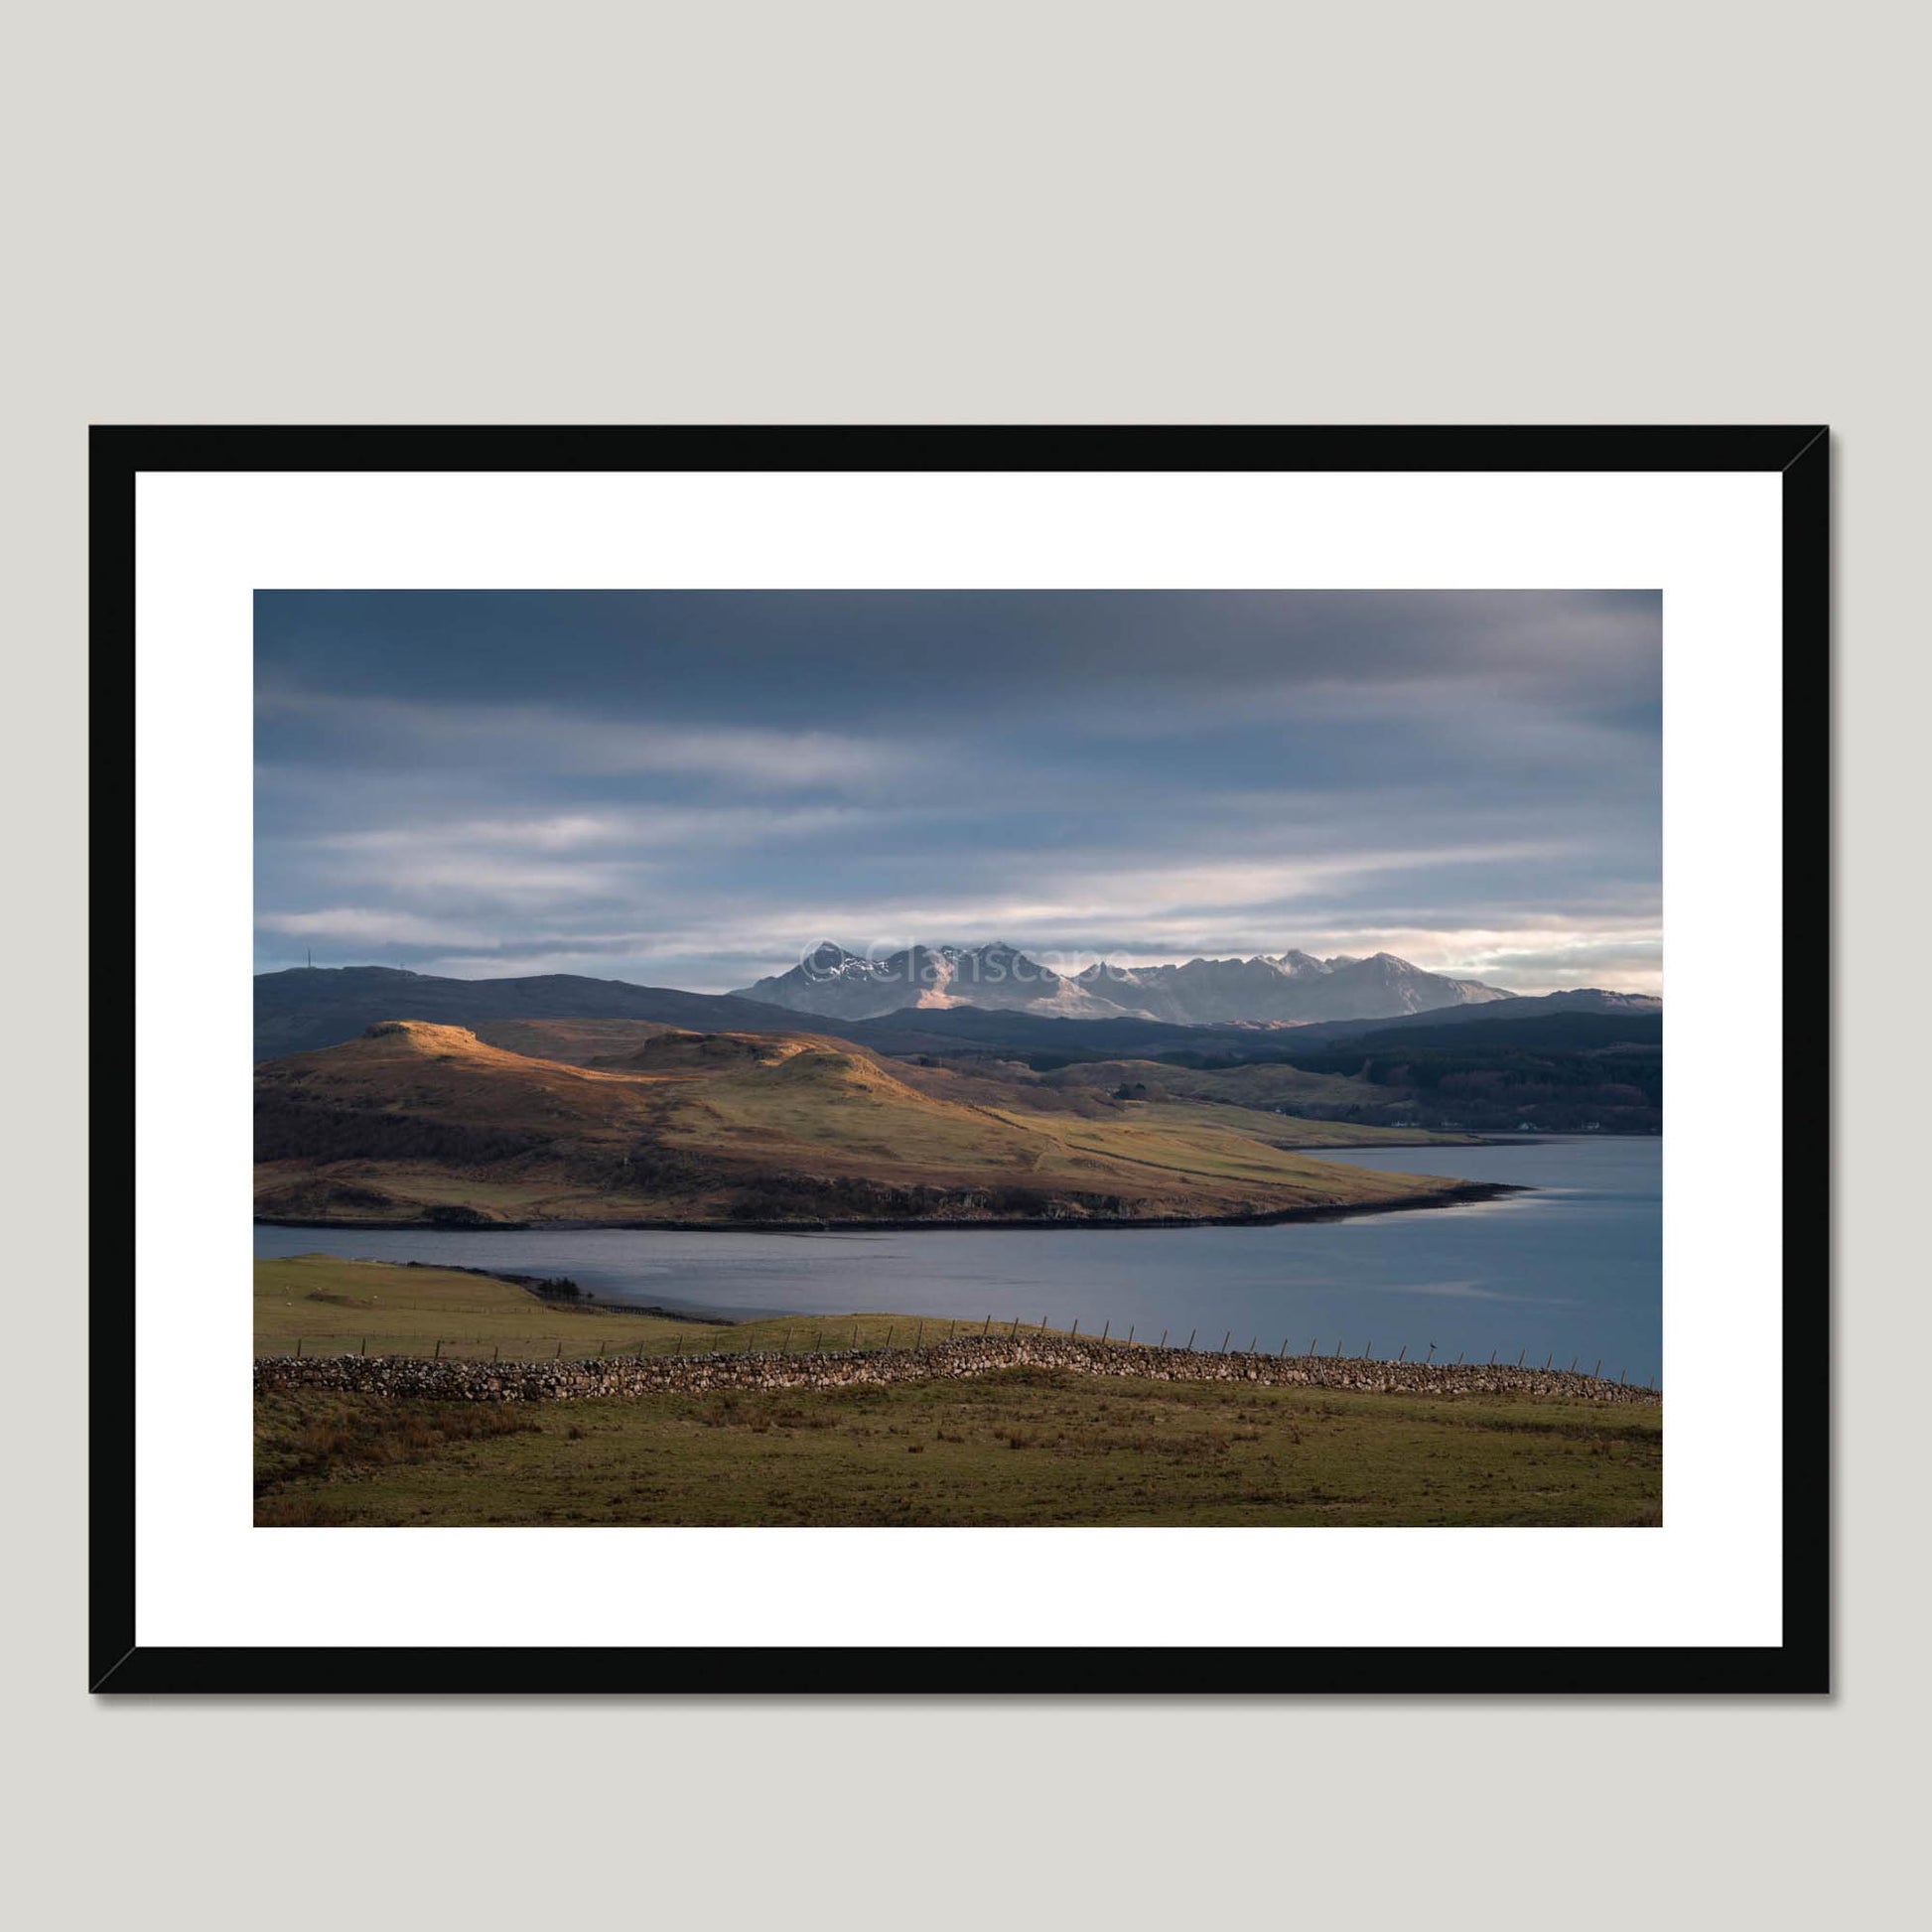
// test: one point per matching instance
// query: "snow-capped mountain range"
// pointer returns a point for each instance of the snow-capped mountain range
(1278, 987)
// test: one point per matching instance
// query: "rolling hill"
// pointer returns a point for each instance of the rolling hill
(307, 1008)
(578, 1042)
(321, 1006)
(1036, 1036)
(416, 1121)
(1557, 1071)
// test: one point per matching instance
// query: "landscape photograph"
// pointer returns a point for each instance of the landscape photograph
(966, 1058)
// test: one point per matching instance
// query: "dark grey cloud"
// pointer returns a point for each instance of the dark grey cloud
(691, 788)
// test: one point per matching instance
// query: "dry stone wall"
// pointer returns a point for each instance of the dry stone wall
(558, 1381)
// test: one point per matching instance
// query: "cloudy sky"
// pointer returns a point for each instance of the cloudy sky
(691, 789)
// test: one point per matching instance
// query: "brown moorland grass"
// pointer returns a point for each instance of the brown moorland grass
(1246, 1099)
(416, 1121)
(576, 1043)
(1021, 1447)
(1156, 1093)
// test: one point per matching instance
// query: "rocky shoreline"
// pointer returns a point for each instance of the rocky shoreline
(985, 1354)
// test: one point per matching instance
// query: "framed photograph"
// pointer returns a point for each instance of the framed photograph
(953, 1059)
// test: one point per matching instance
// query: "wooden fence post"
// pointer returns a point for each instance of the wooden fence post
(1225, 1339)
(1076, 1327)
(1129, 1334)
(298, 1348)
(1105, 1326)
(1191, 1333)
(438, 1356)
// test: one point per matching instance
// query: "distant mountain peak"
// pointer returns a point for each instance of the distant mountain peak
(836, 984)
(1284, 988)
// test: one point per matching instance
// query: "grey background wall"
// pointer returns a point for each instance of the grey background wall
(1001, 212)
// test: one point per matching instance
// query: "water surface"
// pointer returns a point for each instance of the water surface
(1573, 1269)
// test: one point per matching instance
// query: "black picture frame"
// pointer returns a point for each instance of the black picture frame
(1798, 455)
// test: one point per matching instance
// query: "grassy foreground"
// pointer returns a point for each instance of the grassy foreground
(1022, 1447)
(332, 1307)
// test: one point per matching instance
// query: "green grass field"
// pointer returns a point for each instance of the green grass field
(1024, 1446)
(1021, 1447)
(332, 1307)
